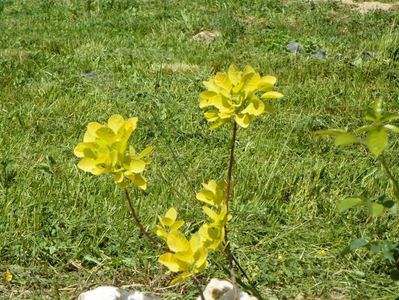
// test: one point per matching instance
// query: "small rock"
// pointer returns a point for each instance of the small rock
(114, 293)
(320, 54)
(90, 75)
(206, 36)
(294, 47)
(223, 290)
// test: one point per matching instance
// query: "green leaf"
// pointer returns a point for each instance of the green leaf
(389, 117)
(364, 128)
(349, 203)
(377, 140)
(331, 132)
(377, 108)
(375, 209)
(358, 243)
(345, 139)
(392, 128)
(388, 203)
(395, 275)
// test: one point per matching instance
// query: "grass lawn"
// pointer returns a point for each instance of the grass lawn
(66, 63)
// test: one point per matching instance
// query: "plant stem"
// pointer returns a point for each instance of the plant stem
(227, 200)
(230, 167)
(139, 224)
(197, 285)
(390, 175)
(252, 286)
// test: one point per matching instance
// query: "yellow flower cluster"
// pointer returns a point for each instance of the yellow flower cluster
(105, 150)
(190, 257)
(234, 96)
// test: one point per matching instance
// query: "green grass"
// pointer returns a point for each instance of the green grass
(287, 181)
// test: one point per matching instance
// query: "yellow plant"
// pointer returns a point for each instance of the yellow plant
(189, 257)
(233, 95)
(105, 150)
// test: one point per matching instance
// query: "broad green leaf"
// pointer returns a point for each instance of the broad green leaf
(392, 128)
(358, 243)
(331, 132)
(377, 108)
(349, 203)
(364, 128)
(389, 117)
(345, 139)
(377, 140)
(375, 209)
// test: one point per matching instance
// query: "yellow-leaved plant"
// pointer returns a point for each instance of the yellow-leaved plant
(234, 95)
(105, 150)
(190, 256)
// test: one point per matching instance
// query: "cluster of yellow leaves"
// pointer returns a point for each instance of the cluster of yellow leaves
(190, 257)
(105, 150)
(234, 96)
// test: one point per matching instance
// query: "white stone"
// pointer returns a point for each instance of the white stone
(223, 290)
(114, 293)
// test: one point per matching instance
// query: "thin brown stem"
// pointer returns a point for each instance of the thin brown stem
(139, 224)
(390, 175)
(227, 200)
(252, 286)
(197, 285)
(230, 167)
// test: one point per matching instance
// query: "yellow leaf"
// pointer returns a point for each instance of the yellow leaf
(177, 242)
(145, 152)
(251, 82)
(222, 81)
(169, 260)
(137, 166)
(79, 149)
(115, 122)
(181, 278)
(272, 95)
(248, 70)
(90, 135)
(137, 180)
(217, 124)
(234, 75)
(255, 107)
(266, 83)
(211, 86)
(171, 214)
(105, 135)
(210, 213)
(211, 115)
(242, 120)
(131, 124)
